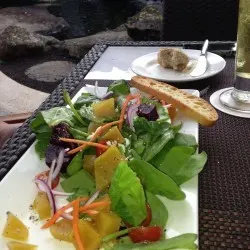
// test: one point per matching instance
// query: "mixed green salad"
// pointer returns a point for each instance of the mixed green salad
(113, 155)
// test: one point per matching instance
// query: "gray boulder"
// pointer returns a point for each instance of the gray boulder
(146, 25)
(35, 19)
(79, 46)
(16, 41)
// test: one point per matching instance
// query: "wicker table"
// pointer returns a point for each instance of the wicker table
(224, 196)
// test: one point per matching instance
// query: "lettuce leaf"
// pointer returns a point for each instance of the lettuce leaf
(127, 195)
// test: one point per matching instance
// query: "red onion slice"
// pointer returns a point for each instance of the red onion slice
(51, 171)
(44, 186)
(54, 192)
(67, 216)
(131, 113)
(58, 164)
(97, 93)
(92, 198)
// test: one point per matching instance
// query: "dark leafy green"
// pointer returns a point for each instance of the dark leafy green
(155, 181)
(71, 105)
(159, 211)
(85, 99)
(180, 139)
(127, 195)
(82, 180)
(79, 133)
(181, 164)
(119, 87)
(78, 193)
(184, 241)
(75, 165)
(157, 145)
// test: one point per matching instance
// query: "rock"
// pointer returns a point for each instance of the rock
(146, 25)
(35, 19)
(79, 46)
(16, 41)
(52, 71)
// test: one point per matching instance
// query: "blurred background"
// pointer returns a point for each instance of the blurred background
(35, 33)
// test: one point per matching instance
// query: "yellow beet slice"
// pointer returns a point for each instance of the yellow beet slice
(105, 165)
(89, 163)
(15, 229)
(114, 134)
(13, 245)
(104, 108)
(63, 230)
(42, 206)
(107, 223)
(89, 235)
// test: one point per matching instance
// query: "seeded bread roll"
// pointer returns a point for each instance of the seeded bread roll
(194, 107)
(172, 58)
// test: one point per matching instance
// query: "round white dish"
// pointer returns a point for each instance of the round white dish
(147, 66)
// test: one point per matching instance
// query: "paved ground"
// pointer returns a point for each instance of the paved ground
(16, 98)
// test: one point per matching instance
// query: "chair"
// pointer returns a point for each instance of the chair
(197, 20)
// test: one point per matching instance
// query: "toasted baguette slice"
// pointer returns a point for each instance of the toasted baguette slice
(194, 107)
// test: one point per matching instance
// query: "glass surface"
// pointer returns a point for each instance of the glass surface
(238, 98)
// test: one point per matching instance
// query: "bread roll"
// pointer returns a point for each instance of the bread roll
(172, 58)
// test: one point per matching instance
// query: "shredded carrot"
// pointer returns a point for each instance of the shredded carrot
(88, 143)
(97, 133)
(59, 212)
(125, 105)
(94, 205)
(75, 225)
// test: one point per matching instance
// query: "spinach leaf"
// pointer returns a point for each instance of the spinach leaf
(78, 193)
(43, 134)
(182, 165)
(71, 105)
(78, 133)
(159, 211)
(85, 99)
(156, 146)
(142, 125)
(184, 241)
(155, 181)
(119, 87)
(180, 139)
(82, 180)
(76, 164)
(127, 195)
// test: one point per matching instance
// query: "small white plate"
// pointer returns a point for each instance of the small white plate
(148, 66)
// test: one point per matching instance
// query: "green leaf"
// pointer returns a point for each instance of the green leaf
(71, 105)
(182, 165)
(156, 146)
(155, 181)
(119, 87)
(76, 164)
(57, 115)
(85, 99)
(184, 241)
(127, 195)
(79, 134)
(82, 180)
(78, 193)
(159, 210)
(142, 125)
(179, 140)
(41, 146)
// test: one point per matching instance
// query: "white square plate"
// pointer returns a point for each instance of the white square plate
(17, 192)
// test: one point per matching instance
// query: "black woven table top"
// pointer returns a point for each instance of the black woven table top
(224, 185)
